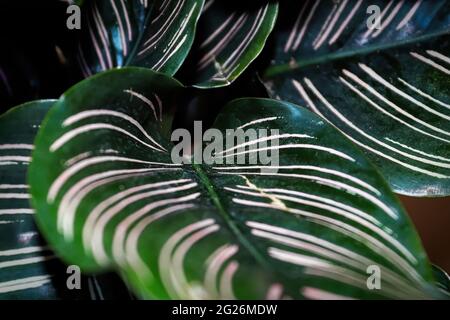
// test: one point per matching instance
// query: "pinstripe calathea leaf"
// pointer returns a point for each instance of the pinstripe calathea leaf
(384, 85)
(28, 268)
(442, 280)
(230, 36)
(309, 223)
(155, 34)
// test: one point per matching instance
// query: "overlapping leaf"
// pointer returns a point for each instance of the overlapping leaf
(386, 89)
(230, 37)
(28, 268)
(155, 34)
(108, 195)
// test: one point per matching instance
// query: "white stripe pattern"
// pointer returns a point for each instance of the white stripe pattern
(421, 156)
(24, 283)
(347, 229)
(334, 18)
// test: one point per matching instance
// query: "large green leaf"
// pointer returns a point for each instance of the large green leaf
(230, 37)
(108, 195)
(386, 89)
(155, 34)
(28, 268)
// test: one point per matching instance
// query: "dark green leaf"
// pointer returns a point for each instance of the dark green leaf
(442, 280)
(153, 34)
(108, 195)
(386, 89)
(230, 37)
(28, 268)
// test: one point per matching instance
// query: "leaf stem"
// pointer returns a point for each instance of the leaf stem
(226, 216)
(288, 67)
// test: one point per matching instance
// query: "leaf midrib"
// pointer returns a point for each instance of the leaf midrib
(290, 67)
(203, 177)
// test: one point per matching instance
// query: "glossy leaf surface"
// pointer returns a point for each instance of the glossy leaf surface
(28, 267)
(385, 88)
(230, 37)
(308, 224)
(153, 34)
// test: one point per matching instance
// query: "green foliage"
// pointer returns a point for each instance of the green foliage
(107, 196)
(386, 90)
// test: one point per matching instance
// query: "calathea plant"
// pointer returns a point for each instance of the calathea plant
(354, 113)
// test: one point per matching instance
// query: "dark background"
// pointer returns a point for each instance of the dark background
(432, 219)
